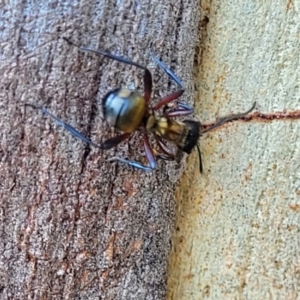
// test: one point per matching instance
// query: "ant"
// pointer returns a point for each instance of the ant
(128, 111)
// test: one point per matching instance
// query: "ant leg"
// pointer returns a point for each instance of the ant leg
(131, 163)
(229, 118)
(174, 95)
(147, 75)
(68, 127)
(168, 153)
(110, 143)
(113, 142)
(184, 110)
(149, 154)
(168, 99)
(167, 70)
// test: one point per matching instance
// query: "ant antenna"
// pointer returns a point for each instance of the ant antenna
(218, 124)
(200, 159)
(229, 118)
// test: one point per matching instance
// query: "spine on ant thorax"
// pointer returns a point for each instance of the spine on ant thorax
(184, 134)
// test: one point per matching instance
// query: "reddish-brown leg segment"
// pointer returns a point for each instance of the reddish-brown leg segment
(149, 152)
(113, 142)
(168, 99)
(168, 153)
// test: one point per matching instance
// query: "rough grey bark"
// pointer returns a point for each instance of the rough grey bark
(74, 226)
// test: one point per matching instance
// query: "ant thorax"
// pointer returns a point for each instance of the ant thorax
(166, 128)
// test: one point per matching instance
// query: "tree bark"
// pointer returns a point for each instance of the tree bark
(73, 225)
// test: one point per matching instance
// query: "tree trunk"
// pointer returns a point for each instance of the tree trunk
(73, 225)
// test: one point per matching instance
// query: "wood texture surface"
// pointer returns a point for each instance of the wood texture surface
(237, 231)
